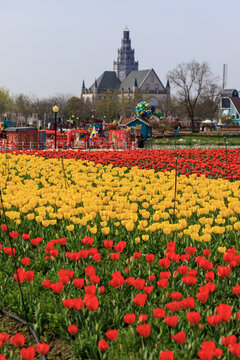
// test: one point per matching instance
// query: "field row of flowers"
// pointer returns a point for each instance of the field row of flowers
(113, 262)
(223, 163)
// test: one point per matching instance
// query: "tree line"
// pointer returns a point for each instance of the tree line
(195, 93)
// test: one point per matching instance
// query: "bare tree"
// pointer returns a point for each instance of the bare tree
(22, 104)
(192, 81)
(209, 102)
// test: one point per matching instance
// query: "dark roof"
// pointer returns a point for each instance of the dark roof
(229, 93)
(108, 80)
(129, 82)
(236, 103)
(14, 129)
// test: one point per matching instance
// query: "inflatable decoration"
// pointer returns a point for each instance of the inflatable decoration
(143, 109)
(93, 134)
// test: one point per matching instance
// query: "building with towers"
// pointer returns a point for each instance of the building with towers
(126, 79)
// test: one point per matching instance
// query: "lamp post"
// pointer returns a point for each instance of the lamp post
(72, 118)
(55, 110)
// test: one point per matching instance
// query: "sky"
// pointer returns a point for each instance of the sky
(49, 46)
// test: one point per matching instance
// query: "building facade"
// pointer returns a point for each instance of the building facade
(230, 105)
(126, 79)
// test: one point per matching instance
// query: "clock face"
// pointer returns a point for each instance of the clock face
(121, 73)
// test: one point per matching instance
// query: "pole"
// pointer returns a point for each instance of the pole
(175, 191)
(55, 130)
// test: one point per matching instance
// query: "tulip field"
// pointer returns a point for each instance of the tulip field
(123, 254)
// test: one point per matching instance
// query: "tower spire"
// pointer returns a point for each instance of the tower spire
(83, 87)
(125, 62)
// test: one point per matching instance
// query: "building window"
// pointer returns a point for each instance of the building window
(237, 115)
(225, 103)
(152, 78)
(156, 87)
(147, 86)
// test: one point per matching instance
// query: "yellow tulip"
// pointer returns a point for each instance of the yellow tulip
(222, 249)
(70, 227)
(129, 226)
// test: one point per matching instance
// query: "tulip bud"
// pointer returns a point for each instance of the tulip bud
(175, 274)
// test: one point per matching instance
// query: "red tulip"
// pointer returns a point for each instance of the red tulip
(235, 349)
(140, 299)
(166, 355)
(29, 275)
(180, 337)
(115, 256)
(68, 303)
(142, 318)
(25, 261)
(42, 348)
(164, 263)
(72, 329)
(4, 337)
(13, 234)
(229, 340)
(47, 284)
(87, 240)
(78, 283)
(223, 271)
(57, 287)
(129, 318)
(165, 274)
(176, 295)
(150, 258)
(139, 284)
(171, 320)
(193, 317)
(190, 250)
(4, 227)
(108, 245)
(163, 283)
(112, 334)
(78, 303)
(91, 302)
(10, 251)
(103, 345)
(18, 339)
(144, 330)
(214, 320)
(158, 313)
(28, 353)
(189, 280)
(236, 289)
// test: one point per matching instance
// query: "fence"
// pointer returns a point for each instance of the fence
(77, 145)
(189, 141)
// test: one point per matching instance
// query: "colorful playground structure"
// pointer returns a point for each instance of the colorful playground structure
(28, 138)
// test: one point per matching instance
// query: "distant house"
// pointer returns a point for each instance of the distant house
(146, 128)
(230, 105)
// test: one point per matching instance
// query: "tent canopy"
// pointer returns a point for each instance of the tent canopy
(207, 121)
